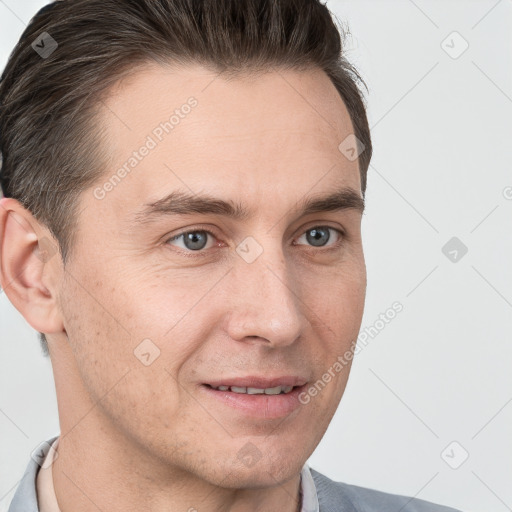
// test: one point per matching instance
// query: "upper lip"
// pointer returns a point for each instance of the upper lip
(259, 382)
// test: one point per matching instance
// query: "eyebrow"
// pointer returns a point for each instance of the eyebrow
(180, 202)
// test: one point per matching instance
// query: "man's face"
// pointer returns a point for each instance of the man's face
(153, 317)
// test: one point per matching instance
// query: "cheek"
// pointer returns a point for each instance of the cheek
(123, 320)
(335, 308)
(336, 301)
(138, 398)
(100, 345)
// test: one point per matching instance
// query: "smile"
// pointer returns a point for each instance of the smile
(256, 403)
(255, 391)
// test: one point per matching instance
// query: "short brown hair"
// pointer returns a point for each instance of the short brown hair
(49, 141)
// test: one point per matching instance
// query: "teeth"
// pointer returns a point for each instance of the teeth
(256, 391)
(273, 391)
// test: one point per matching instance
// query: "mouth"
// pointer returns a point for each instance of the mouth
(262, 402)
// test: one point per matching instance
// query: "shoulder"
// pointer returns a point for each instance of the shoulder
(342, 497)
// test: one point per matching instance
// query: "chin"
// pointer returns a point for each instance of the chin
(258, 477)
(275, 467)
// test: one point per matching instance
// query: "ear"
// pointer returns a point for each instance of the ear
(29, 266)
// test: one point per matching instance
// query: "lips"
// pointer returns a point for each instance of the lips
(244, 396)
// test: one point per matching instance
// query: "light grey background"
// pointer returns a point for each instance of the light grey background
(439, 372)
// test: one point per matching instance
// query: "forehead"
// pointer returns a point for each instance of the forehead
(251, 133)
(158, 88)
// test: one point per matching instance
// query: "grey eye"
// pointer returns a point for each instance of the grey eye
(319, 235)
(193, 240)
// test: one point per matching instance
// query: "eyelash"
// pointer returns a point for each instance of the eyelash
(201, 252)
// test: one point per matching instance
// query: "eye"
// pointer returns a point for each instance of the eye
(193, 240)
(320, 235)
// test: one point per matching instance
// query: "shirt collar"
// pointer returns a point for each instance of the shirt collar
(46, 498)
(308, 491)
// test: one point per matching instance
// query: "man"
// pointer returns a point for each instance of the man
(184, 186)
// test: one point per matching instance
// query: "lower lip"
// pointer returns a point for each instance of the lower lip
(258, 406)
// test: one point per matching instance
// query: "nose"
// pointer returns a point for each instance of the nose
(266, 306)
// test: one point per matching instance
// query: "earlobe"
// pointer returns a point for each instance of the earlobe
(28, 265)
